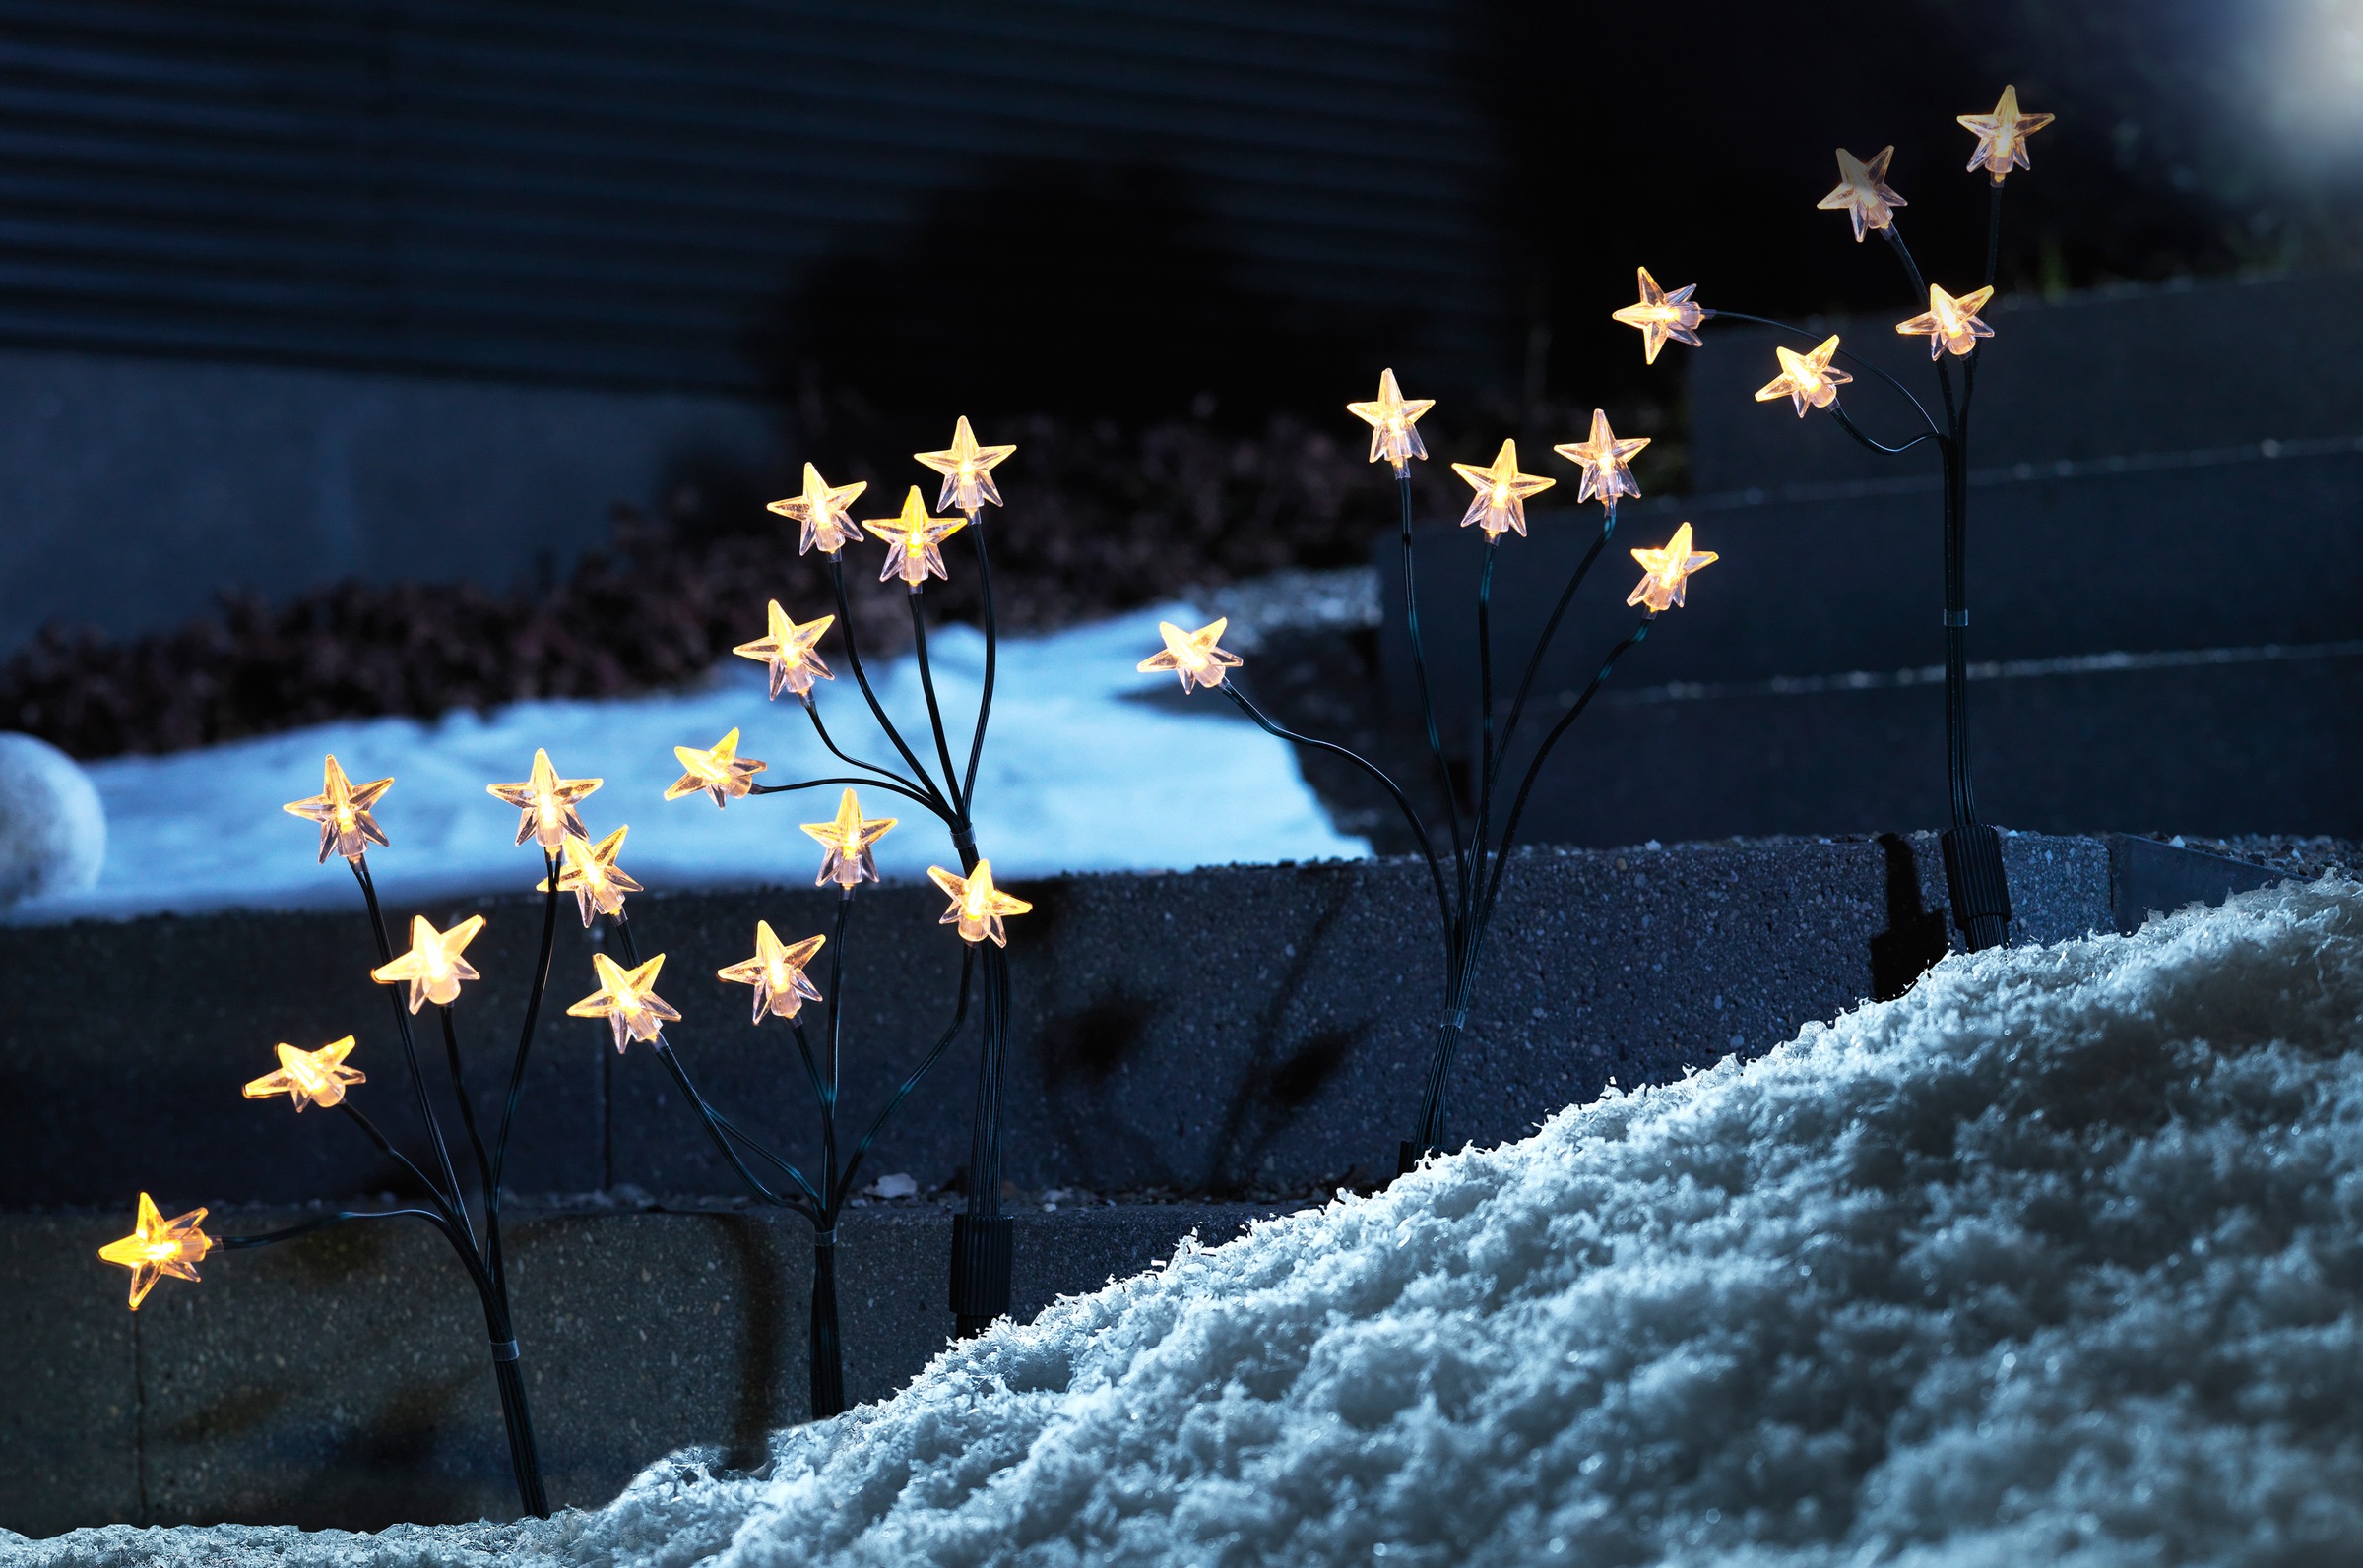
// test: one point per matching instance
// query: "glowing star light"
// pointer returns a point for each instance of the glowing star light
(967, 471)
(1394, 418)
(1661, 316)
(592, 875)
(1950, 324)
(1808, 380)
(627, 999)
(822, 510)
(309, 1078)
(718, 770)
(911, 539)
(1193, 654)
(1501, 492)
(849, 862)
(2002, 135)
(1602, 458)
(1665, 573)
(776, 973)
(788, 649)
(978, 906)
(1863, 193)
(433, 965)
(157, 1246)
(547, 802)
(342, 809)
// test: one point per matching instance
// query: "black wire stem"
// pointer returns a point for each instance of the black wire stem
(878, 710)
(409, 1048)
(1419, 665)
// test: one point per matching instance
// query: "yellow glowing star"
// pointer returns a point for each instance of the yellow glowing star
(1394, 418)
(720, 772)
(849, 862)
(1661, 316)
(1950, 324)
(627, 999)
(822, 510)
(1808, 380)
(342, 809)
(1665, 573)
(910, 541)
(433, 965)
(592, 875)
(788, 650)
(1603, 459)
(776, 973)
(547, 802)
(978, 906)
(313, 1078)
(1193, 654)
(1863, 193)
(1501, 492)
(967, 471)
(2002, 135)
(157, 1246)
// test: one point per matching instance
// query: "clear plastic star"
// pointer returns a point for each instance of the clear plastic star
(1193, 656)
(592, 875)
(1665, 573)
(788, 649)
(309, 1078)
(967, 471)
(342, 809)
(776, 973)
(627, 999)
(849, 861)
(1950, 324)
(912, 538)
(157, 1246)
(978, 906)
(2002, 135)
(1863, 193)
(1661, 316)
(822, 510)
(546, 801)
(433, 965)
(1394, 418)
(1603, 459)
(1808, 380)
(1501, 492)
(718, 770)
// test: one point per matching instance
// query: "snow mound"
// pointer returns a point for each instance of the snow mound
(2059, 1259)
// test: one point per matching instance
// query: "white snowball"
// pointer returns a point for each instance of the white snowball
(53, 828)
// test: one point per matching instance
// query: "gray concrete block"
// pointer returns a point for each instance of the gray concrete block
(69, 1376)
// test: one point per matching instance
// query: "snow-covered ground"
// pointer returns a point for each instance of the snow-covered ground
(2057, 1260)
(1079, 774)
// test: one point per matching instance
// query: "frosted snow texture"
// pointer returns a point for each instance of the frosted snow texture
(2057, 1260)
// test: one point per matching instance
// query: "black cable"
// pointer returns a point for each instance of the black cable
(878, 710)
(886, 776)
(860, 784)
(926, 686)
(1419, 665)
(1845, 353)
(992, 649)
(1534, 664)
(409, 1048)
(495, 1258)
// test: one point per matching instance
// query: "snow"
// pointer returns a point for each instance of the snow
(1086, 768)
(2058, 1259)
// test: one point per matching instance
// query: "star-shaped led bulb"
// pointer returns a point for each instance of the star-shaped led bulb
(1603, 459)
(433, 965)
(823, 511)
(967, 471)
(1863, 193)
(309, 1078)
(1193, 656)
(978, 906)
(718, 770)
(546, 801)
(157, 1246)
(849, 862)
(1808, 380)
(1501, 492)
(342, 809)
(1950, 325)
(2002, 135)
(1394, 420)
(1665, 573)
(777, 974)
(592, 875)
(1661, 316)
(912, 538)
(627, 999)
(788, 649)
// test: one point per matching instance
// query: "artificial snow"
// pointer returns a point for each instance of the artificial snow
(1088, 766)
(2058, 1260)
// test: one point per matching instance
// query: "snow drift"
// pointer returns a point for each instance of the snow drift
(2059, 1259)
